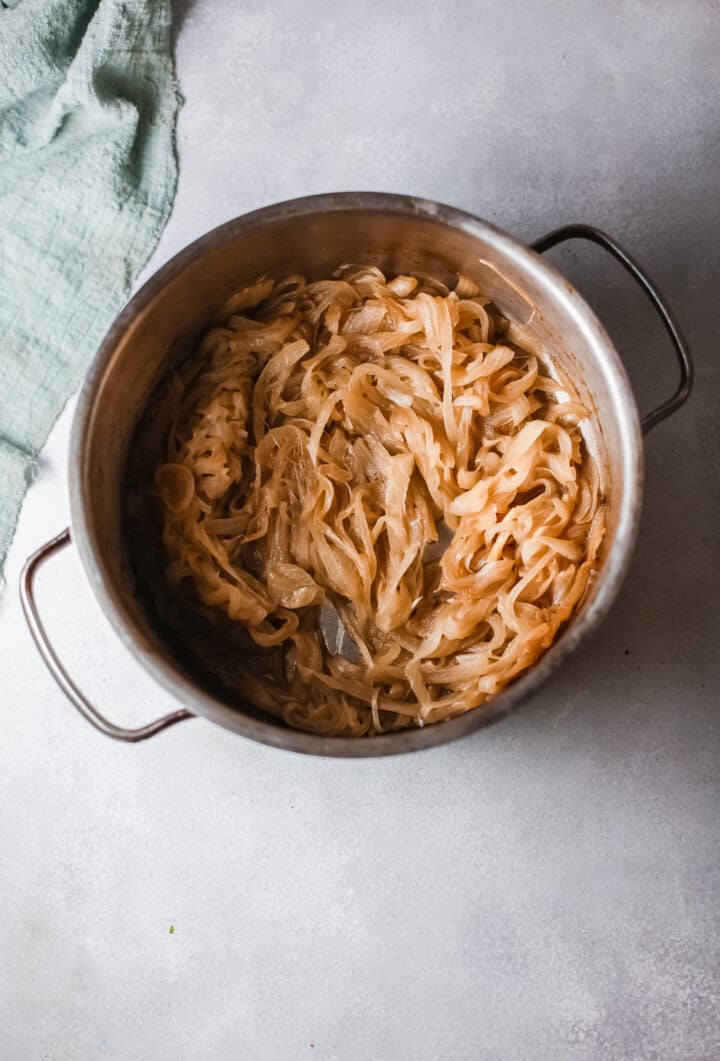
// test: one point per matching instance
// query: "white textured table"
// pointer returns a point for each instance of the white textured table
(545, 890)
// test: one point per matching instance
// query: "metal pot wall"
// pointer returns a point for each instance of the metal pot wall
(313, 236)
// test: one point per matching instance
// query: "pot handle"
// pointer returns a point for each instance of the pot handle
(594, 235)
(53, 664)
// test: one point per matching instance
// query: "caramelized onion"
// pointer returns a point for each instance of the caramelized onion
(381, 452)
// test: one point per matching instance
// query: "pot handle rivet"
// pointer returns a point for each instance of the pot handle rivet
(595, 235)
(53, 664)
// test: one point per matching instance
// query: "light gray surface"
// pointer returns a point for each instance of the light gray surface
(547, 889)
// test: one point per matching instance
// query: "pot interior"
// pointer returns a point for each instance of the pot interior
(313, 237)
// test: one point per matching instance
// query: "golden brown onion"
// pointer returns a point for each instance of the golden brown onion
(318, 453)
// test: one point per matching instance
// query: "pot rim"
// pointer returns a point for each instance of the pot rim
(610, 576)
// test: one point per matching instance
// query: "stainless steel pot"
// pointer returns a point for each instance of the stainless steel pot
(313, 236)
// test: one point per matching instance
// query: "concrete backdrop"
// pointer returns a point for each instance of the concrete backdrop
(547, 889)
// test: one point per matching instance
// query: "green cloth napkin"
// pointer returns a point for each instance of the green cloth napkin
(88, 104)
